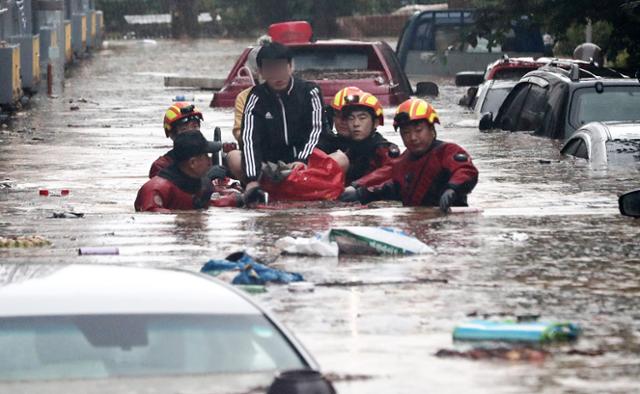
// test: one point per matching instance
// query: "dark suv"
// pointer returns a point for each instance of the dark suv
(557, 99)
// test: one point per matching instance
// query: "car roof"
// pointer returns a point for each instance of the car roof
(107, 289)
(329, 43)
(559, 75)
(502, 84)
(336, 42)
(516, 62)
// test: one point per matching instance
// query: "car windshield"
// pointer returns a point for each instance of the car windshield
(336, 62)
(494, 100)
(443, 30)
(106, 346)
(615, 103)
(331, 59)
(623, 151)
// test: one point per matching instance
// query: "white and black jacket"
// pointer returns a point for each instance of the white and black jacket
(281, 126)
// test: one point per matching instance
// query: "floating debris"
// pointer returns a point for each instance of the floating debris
(23, 241)
(98, 250)
(67, 215)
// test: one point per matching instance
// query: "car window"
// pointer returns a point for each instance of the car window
(554, 124)
(440, 29)
(576, 147)
(331, 58)
(494, 99)
(423, 39)
(85, 347)
(512, 106)
(533, 110)
(581, 151)
(615, 103)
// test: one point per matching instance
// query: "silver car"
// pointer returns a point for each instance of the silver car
(491, 95)
(95, 329)
(602, 143)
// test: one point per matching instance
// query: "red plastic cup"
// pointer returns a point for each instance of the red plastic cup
(43, 192)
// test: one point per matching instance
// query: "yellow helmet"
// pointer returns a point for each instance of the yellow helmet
(414, 109)
(180, 112)
(366, 100)
(339, 98)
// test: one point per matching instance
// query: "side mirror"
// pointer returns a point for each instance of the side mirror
(469, 78)
(629, 204)
(301, 381)
(486, 122)
(427, 89)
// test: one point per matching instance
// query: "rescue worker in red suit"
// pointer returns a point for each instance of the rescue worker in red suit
(430, 172)
(180, 117)
(185, 184)
(368, 149)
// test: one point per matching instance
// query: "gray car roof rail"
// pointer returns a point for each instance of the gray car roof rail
(587, 70)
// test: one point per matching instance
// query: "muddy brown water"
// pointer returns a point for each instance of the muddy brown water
(549, 241)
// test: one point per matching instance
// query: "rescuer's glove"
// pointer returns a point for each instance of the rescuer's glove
(447, 199)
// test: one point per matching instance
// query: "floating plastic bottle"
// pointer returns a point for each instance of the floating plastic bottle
(484, 330)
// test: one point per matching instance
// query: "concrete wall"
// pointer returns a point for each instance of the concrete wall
(38, 28)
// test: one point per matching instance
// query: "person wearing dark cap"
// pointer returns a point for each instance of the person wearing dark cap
(180, 117)
(282, 121)
(185, 184)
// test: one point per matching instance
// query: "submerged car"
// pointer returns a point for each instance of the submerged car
(333, 65)
(79, 327)
(601, 143)
(504, 69)
(561, 97)
(438, 43)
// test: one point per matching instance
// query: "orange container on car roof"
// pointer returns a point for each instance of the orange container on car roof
(291, 32)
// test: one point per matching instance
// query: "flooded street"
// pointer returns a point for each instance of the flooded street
(549, 242)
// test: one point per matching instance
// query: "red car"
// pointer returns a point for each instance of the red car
(505, 69)
(513, 68)
(332, 64)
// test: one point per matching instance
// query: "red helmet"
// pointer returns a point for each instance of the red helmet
(366, 100)
(183, 112)
(414, 109)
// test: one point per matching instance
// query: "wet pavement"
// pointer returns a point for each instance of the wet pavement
(550, 240)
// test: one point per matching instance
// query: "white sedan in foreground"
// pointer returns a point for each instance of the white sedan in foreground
(95, 329)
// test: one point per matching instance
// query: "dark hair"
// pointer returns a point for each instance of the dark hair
(273, 51)
(349, 109)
